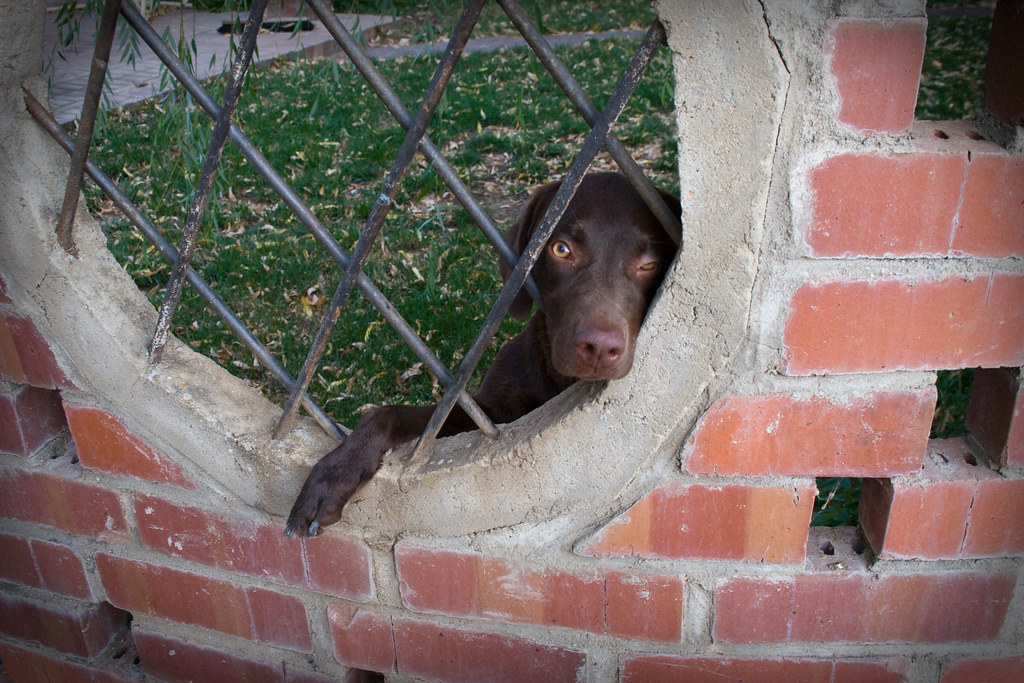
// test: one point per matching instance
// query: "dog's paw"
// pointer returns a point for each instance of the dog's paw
(322, 498)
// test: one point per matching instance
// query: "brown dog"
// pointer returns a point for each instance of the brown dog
(597, 276)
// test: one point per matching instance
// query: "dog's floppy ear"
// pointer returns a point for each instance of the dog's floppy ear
(672, 201)
(519, 235)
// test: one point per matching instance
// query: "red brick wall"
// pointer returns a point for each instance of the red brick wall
(117, 559)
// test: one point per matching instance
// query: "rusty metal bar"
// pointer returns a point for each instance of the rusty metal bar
(294, 202)
(86, 123)
(406, 153)
(394, 104)
(132, 212)
(586, 108)
(592, 145)
(221, 129)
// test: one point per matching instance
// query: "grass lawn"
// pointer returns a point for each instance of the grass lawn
(503, 123)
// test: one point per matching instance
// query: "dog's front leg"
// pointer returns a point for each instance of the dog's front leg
(337, 476)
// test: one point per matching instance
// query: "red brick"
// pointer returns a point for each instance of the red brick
(969, 607)
(670, 669)
(279, 619)
(876, 434)
(955, 507)
(997, 519)
(362, 639)
(885, 325)
(645, 607)
(51, 498)
(61, 570)
(81, 630)
(434, 580)
(992, 210)
(104, 443)
(33, 665)
(884, 204)
(575, 601)
(16, 562)
(231, 544)
(25, 357)
(859, 607)
(1004, 79)
(431, 650)
(294, 674)
(198, 600)
(922, 516)
(730, 522)
(893, 670)
(995, 415)
(906, 520)
(752, 611)
(877, 68)
(176, 595)
(509, 592)
(170, 659)
(339, 565)
(29, 418)
(39, 564)
(11, 369)
(973, 670)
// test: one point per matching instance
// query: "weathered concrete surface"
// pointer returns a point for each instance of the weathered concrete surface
(98, 323)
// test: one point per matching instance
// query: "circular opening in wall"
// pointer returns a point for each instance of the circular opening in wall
(970, 459)
(941, 134)
(974, 135)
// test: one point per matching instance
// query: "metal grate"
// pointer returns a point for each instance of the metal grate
(416, 140)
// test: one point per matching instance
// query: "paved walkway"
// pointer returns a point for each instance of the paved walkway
(131, 83)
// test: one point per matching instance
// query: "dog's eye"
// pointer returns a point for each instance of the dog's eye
(561, 250)
(648, 267)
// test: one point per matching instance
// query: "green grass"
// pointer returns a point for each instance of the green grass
(503, 123)
(953, 72)
(428, 21)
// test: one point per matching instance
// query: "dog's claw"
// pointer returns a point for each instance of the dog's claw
(314, 528)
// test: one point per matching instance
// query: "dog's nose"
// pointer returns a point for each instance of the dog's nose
(598, 348)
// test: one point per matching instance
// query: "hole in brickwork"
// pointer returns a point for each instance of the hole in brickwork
(363, 676)
(123, 658)
(837, 501)
(970, 459)
(827, 548)
(954, 391)
(941, 134)
(974, 135)
(860, 544)
(953, 71)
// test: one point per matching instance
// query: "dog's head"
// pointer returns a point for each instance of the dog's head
(597, 273)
